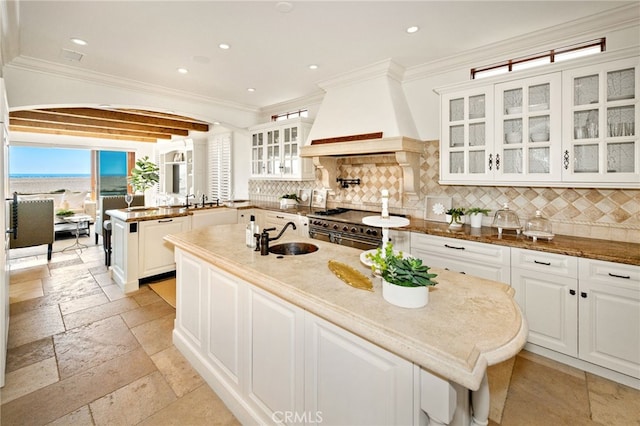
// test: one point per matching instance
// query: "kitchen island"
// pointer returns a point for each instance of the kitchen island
(139, 250)
(278, 337)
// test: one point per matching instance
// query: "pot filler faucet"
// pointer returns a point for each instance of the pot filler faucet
(263, 239)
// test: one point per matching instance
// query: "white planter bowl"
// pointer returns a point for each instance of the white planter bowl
(405, 297)
(476, 220)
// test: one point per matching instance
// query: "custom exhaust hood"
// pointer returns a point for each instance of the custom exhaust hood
(365, 113)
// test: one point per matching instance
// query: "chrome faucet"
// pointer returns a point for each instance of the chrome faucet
(265, 239)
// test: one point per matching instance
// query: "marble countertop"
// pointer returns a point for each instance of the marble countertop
(610, 251)
(138, 214)
(469, 323)
(591, 248)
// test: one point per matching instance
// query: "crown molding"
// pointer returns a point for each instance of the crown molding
(579, 30)
(384, 68)
(26, 63)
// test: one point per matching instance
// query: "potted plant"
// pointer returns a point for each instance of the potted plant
(288, 200)
(405, 280)
(144, 175)
(455, 217)
(475, 216)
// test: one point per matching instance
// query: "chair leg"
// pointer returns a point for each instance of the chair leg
(96, 237)
(49, 251)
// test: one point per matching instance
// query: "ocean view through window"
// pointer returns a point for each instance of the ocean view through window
(34, 170)
(40, 170)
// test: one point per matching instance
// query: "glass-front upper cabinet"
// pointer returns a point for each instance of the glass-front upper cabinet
(467, 133)
(601, 116)
(527, 144)
(257, 154)
(275, 150)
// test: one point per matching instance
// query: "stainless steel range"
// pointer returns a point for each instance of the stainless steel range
(344, 227)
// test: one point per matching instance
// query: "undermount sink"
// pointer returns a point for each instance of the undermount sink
(292, 248)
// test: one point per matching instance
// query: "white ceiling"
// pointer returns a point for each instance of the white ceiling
(270, 51)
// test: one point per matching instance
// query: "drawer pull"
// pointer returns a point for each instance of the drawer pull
(583, 294)
(572, 292)
(454, 247)
(279, 217)
(542, 263)
(165, 220)
(626, 277)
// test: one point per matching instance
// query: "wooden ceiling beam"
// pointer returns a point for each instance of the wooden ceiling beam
(132, 117)
(86, 129)
(41, 116)
(79, 133)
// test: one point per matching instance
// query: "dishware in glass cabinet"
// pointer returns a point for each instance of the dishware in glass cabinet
(513, 101)
(585, 90)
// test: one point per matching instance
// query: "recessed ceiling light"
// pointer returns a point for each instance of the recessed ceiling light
(224, 46)
(284, 7)
(313, 67)
(78, 41)
(183, 70)
(413, 29)
(251, 89)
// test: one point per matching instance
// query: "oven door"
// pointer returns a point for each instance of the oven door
(343, 240)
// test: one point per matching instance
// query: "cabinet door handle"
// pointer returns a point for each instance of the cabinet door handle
(454, 247)
(497, 161)
(165, 220)
(566, 160)
(626, 277)
(542, 263)
(490, 161)
(572, 292)
(583, 294)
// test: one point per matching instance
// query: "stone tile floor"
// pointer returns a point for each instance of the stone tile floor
(83, 353)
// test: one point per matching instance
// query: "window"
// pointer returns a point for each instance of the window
(220, 176)
(292, 114)
(555, 55)
(112, 172)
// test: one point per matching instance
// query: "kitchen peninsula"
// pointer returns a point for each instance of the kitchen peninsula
(277, 336)
(139, 250)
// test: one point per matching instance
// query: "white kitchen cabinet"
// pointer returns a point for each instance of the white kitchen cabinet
(275, 358)
(575, 125)
(609, 306)
(274, 363)
(546, 286)
(467, 257)
(275, 150)
(191, 322)
(508, 132)
(214, 216)
(349, 381)
(466, 135)
(601, 114)
(155, 256)
(528, 133)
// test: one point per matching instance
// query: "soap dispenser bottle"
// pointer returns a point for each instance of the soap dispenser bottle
(251, 229)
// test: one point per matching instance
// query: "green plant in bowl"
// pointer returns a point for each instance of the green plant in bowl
(291, 197)
(64, 213)
(477, 210)
(400, 270)
(455, 215)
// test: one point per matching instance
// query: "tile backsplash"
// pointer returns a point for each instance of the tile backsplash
(610, 214)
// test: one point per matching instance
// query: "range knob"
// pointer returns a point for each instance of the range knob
(325, 225)
(345, 229)
(335, 227)
(374, 233)
(368, 231)
(354, 229)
